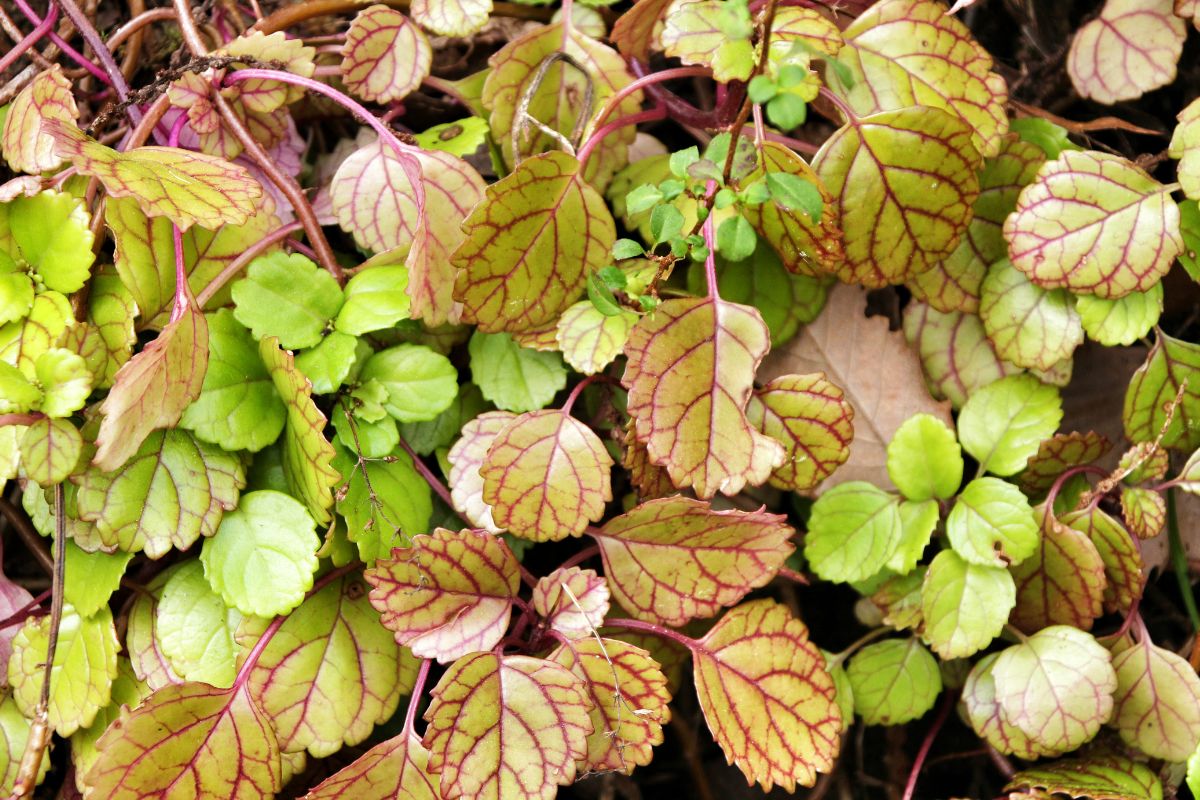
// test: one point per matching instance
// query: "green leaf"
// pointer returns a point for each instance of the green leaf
(1002, 424)
(1155, 384)
(992, 524)
(919, 521)
(420, 383)
(288, 297)
(589, 339)
(894, 681)
(16, 293)
(853, 530)
(51, 236)
(85, 663)
(22, 341)
(376, 298)
(1099, 776)
(794, 192)
(263, 556)
(426, 437)
(812, 419)
(1053, 139)
(1029, 326)
(712, 33)
(1157, 702)
(642, 198)
(512, 377)
(1124, 568)
(385, 503)
(787, 111)
(91, 578)
(50, 450)
(238, 407)
(1189, 229)
(307, 454)
(331, 672)
(329, 363)
(666, 223)
(15, 728)
(17, 393)
(1122, 321)
(173, 491)
(924, 459)
(1056, 688)
(964, 605)
(186, 187)
(195, 629)
(108, 338)
(460, 138)
(736, 240)
(28, 149)
(64, 380)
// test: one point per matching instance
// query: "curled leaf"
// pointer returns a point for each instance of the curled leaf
(573, 601)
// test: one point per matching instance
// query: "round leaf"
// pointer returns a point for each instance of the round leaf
(964, 605)
(853, 530)
(420, 383)
(924, 459)
(288, 297)
(1002, 424)
(992, 524)
(894, 681)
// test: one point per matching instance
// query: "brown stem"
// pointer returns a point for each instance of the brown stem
(289, 15)
(133, 28)
(735, 131)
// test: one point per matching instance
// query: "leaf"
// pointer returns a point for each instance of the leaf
(767, 697)
(1058, 454)
(1130, 49)
(918, 521)
(288, 297)
(452, 189)
(145, 255)
(23, 341)
(992, 524)
(1056, 688)
(572, 601)
(1157, 701)
(374, 199)
(530, 245)
(956, 355)
(149, 664)
(1124, 568)
(899, 598)
(894, 681)
(674, 559)
(394, 769)
(964, 605)
(387, 510)
(307, 454)
(1185, 148)
(173, 491)
(985, 715)
(466, 458)
(1101, 778)
(538, 710)
(557, 102)
(375, 299)
(85, 663)
(437, 434)
(64, 380)
(1155, 385)
(188, 738)
(912, 53)
(1029, 326)
(50, 237)
(589, 339)
(420, 383)
(1122, 321)
(1144, 510)
(629, 697)
(263, 556)
(108, 338)
(91, 578)
(193, 631)
(512, 377)
(24, 145)
(953, 284)
(448, 594)
(1094, 223)
(14, 738)
(263, 95)
(712, 34)
(385, 56)
(451, 17)
(905, 182)
(690, 376)
(872, 365)
(853, 529)
(187, 188)
(1062, 583)
(636, 31)
(1003, 424)
(811, 418)
(50, 450)
(806, 245)
(238, 407)
(924, 459)
(153, 388)
(331, 672)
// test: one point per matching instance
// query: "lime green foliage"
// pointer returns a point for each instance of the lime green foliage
(375, 299)
(1155, 384)
(965, 605)
(924, 459)
(512, 377)
(288, 297)
(992, 524)
(853, 530)
(420, 384)
(1002, 424)
(385, 503)
(894, 681)
(46, 236)
(195, 629)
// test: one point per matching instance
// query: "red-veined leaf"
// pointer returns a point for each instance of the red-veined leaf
(24, 145)
(956, 355)
(1058, 454)
(449, 594)
(1130, 49)
(767, 697)
(634, 31)
(385, 56)
(1124, 568)
(1062, 583)
(650, 480)
(814, 422)
(376, 196)
(1106, 777)
(674, 559)
(452, 17)
(391, 770)
(1145, 511)
(466, 457)
(1157, 701)
(572, 601)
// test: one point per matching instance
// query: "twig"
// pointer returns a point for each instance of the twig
(947, 703)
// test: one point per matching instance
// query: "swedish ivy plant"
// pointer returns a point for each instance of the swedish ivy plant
(393, 416)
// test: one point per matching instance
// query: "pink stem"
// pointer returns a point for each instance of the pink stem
(580, 557)
(244, 258)
(841, 104)
(24, 612)
(71, 52)
(20, 419)
(919, 761)
(710, 263)
(434, 482)
(655, 630)
(183, 292)
(410, 715)
(575, 392)
(42, 28)
(1056, 487)
(649, 115)
(644, 81)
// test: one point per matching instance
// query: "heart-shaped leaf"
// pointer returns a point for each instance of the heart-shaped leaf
(675, 559)
(385, 56)
(1130, 49)
(767, 697)
(448, 594)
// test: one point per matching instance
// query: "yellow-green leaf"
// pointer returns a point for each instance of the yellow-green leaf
(385, 56)
(24, 145)
(1130, 49)
(812, 419)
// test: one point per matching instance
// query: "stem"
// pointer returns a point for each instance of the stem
(20, 419)
(943, 712)
(1179, 563)
(410, 715)
(736, 130)
(575, 392)
(434, 482)
(43, 27)
(645, 81)
(583, 555)
(649, 115)
(111, 74)
(291, 14)
(710, 263)
(239, 263)
(799, 145)
(655, 630)
(528, 577)
(865, 639)
(840, 104)
(137, 23)
(22, 613)
(1056, 487)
